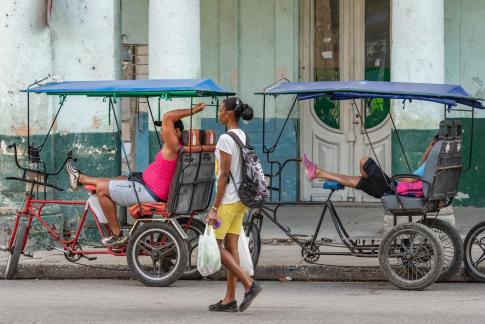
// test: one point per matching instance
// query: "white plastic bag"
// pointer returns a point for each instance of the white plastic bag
(245, 261)
(209, 256)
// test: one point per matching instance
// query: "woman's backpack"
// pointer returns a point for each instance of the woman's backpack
(252, 191)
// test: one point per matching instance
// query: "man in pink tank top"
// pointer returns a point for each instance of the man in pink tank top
(151, 186)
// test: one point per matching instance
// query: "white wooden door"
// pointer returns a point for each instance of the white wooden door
(344, 40)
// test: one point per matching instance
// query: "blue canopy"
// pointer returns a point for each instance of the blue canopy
(135, 88)
(341, 90)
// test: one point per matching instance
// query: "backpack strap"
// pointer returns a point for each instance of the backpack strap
(238, 140)
(241, 145)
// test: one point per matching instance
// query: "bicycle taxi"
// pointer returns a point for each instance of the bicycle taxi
(411, 255)
(164, 236)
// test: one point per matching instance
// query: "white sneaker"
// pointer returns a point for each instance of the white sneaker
(74, 175)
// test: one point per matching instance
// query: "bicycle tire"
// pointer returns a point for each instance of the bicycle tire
(254, 243)
(14, 255)
(180, 248)
(436, 255)
(452, 267)
(471, 269)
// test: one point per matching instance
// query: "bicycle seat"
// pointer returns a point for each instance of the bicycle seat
(332, 185)
(148, 209)
(89, 188)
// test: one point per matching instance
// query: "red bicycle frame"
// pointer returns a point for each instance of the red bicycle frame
(33, 209)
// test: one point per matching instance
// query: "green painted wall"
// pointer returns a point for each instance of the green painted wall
(97, 154)
(472, 181)
(464, 65)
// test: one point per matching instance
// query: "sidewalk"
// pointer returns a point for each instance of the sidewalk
(280, 259)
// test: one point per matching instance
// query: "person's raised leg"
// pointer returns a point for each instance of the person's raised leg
(362, 162)
(76, 178)
(345, 180)
(93, 181)
(313, 172)
(108, 206)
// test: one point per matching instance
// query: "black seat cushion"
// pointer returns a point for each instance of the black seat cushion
(389, 202)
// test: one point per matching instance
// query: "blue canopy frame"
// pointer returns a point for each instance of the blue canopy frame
(115, 89)
(447, 94)
(135, 88)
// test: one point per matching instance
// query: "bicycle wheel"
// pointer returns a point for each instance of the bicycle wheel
(195, 229)
(254, 242)
(451, 243)
(475, 252)
(411, 256)
(14, 254)
(157, 254)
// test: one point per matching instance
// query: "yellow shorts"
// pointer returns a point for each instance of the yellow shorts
(231, 216)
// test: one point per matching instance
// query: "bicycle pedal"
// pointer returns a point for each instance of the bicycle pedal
(3, 248)
(326, 240)
(89, 258)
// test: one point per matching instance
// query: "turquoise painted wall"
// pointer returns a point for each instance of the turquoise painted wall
(246, 45)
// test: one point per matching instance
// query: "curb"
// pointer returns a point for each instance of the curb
(270, 272)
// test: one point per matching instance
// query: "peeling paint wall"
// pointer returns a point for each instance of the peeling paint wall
(24, 56)
(86, 45)
(81, 42)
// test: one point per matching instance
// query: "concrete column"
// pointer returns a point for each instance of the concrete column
(24, 57)
(174, 39)
(174, 44)
(417, 55)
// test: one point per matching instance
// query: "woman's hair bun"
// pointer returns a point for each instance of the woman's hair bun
(247, 112)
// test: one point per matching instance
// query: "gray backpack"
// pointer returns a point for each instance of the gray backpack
(252, 191)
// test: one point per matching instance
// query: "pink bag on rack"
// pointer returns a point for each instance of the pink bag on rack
(410, 189)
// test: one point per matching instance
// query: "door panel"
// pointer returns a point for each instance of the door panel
(348, 40)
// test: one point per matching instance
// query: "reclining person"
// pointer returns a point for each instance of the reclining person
(151, 186)
(372, 179)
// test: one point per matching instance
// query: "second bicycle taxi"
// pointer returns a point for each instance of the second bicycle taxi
(411, 255)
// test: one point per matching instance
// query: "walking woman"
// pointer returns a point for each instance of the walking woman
(228, 208)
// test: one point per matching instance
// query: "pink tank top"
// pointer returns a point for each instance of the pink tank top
(158, 176)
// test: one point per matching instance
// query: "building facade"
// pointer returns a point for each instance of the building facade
(244, 45)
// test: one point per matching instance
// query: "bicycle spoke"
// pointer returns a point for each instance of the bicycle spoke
(145, 246)
(480, 260)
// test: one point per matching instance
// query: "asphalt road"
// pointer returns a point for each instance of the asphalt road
(124, 301)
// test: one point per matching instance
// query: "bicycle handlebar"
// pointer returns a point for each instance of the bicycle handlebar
(40, 183)
(69, 157)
